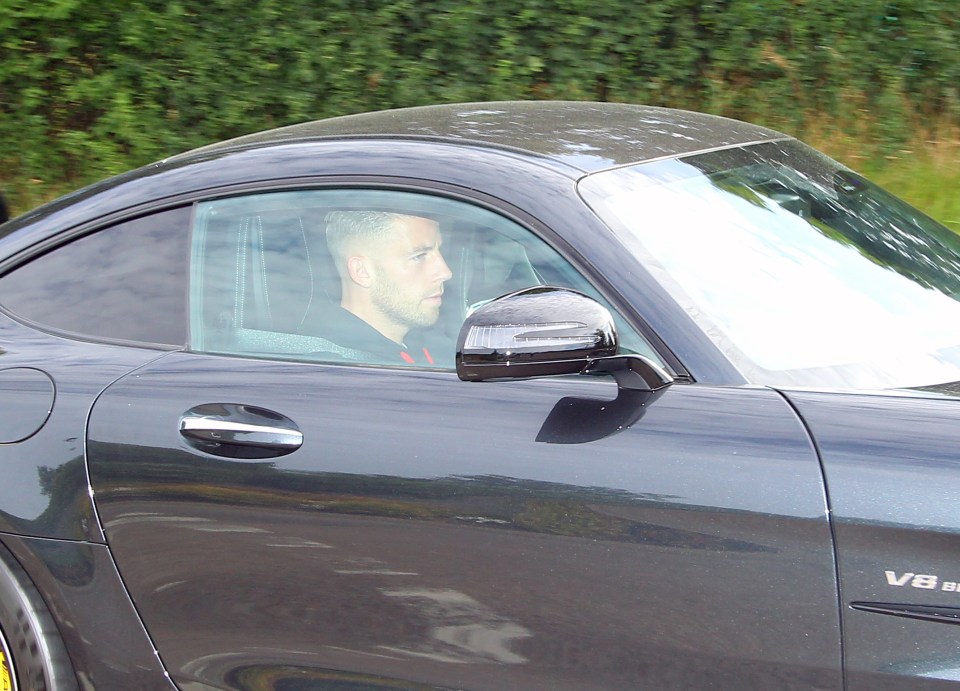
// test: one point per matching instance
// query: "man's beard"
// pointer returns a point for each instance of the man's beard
(406, 312)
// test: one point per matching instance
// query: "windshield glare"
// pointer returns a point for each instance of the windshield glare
(799, 270)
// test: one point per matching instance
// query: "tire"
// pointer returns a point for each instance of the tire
(30, 644)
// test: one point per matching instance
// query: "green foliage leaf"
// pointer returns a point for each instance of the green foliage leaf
(91, 87)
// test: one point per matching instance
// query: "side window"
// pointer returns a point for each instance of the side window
(362, 276)
(125, 282)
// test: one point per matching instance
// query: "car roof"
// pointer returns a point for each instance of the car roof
(584, 135)
(573, 138)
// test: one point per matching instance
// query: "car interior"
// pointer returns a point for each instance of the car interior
(260, 277)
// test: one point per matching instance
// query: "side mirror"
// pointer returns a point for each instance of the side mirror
(544, 331)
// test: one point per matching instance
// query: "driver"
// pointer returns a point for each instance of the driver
(391, 280)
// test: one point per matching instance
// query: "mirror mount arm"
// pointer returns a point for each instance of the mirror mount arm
(632, 372)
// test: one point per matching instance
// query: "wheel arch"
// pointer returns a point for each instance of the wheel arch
(38, 657)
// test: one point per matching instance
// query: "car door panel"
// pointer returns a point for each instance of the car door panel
(421, 535)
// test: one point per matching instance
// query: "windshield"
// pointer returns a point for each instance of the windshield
(801, 272)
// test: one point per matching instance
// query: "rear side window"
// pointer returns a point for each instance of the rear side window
(126, 282)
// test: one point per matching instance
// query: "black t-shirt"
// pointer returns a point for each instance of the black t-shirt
(353, 339)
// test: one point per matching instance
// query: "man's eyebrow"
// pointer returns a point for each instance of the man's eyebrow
(425, 246)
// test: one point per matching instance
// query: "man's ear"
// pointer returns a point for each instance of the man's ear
(358, 268)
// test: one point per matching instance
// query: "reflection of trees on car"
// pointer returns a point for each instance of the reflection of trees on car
(898, 236)
(508, 503)
(66, 488)
(861, 216)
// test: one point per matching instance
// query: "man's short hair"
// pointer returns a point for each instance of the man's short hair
(346, 226)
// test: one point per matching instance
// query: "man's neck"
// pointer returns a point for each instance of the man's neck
(388, 329)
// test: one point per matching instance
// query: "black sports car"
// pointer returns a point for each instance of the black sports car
(486, 396)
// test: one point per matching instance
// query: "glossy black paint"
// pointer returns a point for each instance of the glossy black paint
(893, 475)
(584, 136)
(44, 489)
(453, 549)
(26, 399)
(490, 346)
(107, 645)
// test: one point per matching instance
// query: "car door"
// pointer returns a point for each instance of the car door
(287, 517)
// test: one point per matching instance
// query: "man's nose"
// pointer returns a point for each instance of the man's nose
(443, 271)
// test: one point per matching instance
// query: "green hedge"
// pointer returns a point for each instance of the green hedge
(92, 87)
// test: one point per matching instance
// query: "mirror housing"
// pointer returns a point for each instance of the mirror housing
(545, 331)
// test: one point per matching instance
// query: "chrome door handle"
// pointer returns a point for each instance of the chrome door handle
(206, 429)
(239, 431)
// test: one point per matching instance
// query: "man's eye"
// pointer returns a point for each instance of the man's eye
(419, 257)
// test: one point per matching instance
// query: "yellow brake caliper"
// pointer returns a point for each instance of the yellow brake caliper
(6, 677)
